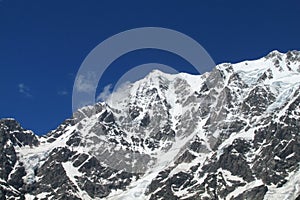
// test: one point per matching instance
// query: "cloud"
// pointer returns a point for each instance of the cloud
(23, 89)
(105, 94)
(84, 84)
(62, 93)
(119, 95)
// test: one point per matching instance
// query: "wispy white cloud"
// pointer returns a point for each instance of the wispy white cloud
(119, 93)
(83, 85)
(24, 90)
(105, 94)
(62, 93)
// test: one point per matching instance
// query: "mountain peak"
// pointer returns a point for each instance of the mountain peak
(158, 74)
(10, 123)
(278, 54)
(231, 133)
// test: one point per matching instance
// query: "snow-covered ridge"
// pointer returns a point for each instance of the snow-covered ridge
(174, 136)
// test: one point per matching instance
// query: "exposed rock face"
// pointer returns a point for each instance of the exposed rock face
(13, 136)
(232, 133)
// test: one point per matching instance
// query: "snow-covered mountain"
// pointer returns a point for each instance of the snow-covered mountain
(232, 133)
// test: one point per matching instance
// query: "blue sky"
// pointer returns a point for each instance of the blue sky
(43, 43)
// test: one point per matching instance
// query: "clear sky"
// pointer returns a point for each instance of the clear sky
(43, 43)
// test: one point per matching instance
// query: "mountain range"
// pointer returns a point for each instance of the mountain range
(232, 133)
